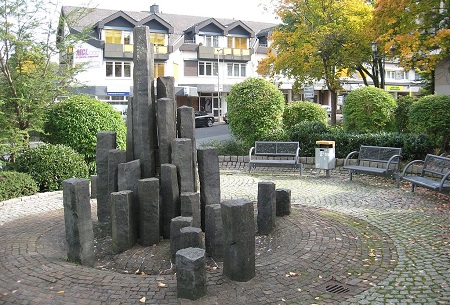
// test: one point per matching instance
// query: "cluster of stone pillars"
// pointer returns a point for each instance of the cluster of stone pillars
(162, 186)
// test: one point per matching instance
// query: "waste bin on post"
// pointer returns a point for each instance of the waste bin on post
(325, 157)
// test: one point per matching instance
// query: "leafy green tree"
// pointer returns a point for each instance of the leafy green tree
(296, 112)
(319, 40)
(29, 79)
(76, 121)
(419, 31)
(368, 109)
(430, 114)
(255, 109)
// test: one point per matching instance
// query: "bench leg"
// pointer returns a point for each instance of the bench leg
(397, 178)
(412, 187)
(350, 174)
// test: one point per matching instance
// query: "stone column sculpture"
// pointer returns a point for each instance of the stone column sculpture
(144, 116)
(209, 177)
(78, 222)
(238, 240)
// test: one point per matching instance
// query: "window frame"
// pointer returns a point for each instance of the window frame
(121, 66)
(203, 66)
(234, 68)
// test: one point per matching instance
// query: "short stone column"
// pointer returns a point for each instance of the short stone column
(148, 192)
(115, 157)
(123, 231)
(238, 239)
(266, 207)
(209, 177)
(214, 232)
(191, 273)
(192, 237)
(170, 198)
(283, 199)
(128, 176)
(78, 222)
(190, 207)
(176, 225)
(183, 161)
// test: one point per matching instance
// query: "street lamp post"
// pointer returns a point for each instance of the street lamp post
(378, 66)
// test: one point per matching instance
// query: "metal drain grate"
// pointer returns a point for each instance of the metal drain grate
(336, 288)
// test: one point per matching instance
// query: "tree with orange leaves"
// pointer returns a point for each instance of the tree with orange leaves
(418, 31)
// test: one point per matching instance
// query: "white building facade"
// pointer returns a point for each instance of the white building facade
(206, 56)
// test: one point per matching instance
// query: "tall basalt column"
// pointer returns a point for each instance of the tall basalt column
(166, 128)
(186, 129)
(105, 142)
(238, 240)
(182, 158)
(170, 197)
(78, 222)
(266, 207)
(148, 190)
(209, 177)
(144, 112)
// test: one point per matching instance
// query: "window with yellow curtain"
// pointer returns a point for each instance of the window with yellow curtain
(159, 70)
(240, 43)
(237, 42)
(158, 39)
(113, 36)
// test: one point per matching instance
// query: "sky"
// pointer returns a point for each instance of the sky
(250, 10)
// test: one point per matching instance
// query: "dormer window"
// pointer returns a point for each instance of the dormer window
(158, 39)
(118, 36)
(209, 40)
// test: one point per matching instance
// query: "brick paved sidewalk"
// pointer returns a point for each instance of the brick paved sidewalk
(376, 243)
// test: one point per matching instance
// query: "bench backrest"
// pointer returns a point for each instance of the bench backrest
(276, 148)
(436, 165)
(379, 154)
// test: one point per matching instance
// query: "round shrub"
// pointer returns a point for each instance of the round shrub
(296, 112)
(255, 109)
(401, 112)
(50, 165)
(14, 184)
(76, 121)
(368, 109)
(431, 114)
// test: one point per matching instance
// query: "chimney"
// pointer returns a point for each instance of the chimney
(154, 9)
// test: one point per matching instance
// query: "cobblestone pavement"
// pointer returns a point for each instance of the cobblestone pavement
(345, 242)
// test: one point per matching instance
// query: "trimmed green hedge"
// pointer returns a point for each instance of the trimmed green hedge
(14, 184)
(50, 165)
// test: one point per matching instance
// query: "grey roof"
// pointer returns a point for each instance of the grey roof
(180, 23)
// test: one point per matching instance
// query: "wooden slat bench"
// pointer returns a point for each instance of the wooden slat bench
(274, 154)
(375, 160)
(434, 174)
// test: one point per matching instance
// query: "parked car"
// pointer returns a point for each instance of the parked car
(203, 118)
(225, 118)
(327, 108)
